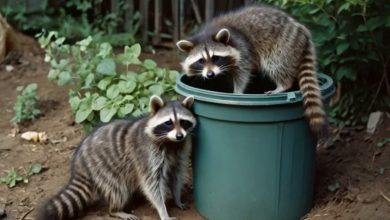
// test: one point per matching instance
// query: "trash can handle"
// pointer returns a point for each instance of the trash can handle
(291, 96)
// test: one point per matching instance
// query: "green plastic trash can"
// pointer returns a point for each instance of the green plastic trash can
(253, 154)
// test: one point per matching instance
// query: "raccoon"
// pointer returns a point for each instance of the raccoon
(258, 39)
(150, 154)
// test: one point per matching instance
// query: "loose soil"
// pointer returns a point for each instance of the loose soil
(353, 161)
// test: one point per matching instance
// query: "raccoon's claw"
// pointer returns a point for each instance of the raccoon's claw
(270, 92)
(123, 215)
(182, 206)
(170, 218)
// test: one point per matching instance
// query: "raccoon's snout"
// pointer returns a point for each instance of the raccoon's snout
(179, 136)
(210, 74)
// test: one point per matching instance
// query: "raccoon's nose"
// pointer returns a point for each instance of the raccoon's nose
(210, 74)
(179, 136)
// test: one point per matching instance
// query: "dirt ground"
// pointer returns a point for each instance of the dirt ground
(353, 161)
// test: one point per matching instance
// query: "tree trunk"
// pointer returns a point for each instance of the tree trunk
(11, 40)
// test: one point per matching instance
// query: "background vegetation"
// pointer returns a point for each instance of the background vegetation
(350, 36)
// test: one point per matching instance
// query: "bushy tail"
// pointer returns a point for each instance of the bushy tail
(69, 202)
(309, 87)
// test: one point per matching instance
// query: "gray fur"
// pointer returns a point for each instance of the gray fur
(123, 157)
(261, 39)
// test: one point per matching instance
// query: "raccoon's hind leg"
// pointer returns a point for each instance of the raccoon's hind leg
(118, 196)
(280, 88)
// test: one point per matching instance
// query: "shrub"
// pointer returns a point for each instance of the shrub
(107, 85)
(75, 19)
(26, 103)
(351, 40)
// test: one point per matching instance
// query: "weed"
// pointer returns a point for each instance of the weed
(26, 104)
(108, 85)
(14, 176)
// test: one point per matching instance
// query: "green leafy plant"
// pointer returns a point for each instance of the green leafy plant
(75, 19)
(351, 40)
(26, 104)
(13, 176)
(108, 85)
(383, 142)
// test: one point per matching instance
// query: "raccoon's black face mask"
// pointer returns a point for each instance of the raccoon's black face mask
(211, 57)
(170, 121)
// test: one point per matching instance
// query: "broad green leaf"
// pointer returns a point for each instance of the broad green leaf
(74, 103)
(99, 103)
(89, 79)
(107, 113)
(125, 110)
(64, 78)
(83, 112)
(149, 83)
(149, 64)
(341, 48)
(53, 74)
(137, 113)
(105, 50)
(173, 74)
(126, 87)
(12, 183)
(345, 72)
(104, 83)
(106, 67)
(128, 98)
(35, 168)
(156, 89)
(134, 50)
(84, 43)
(113, 91)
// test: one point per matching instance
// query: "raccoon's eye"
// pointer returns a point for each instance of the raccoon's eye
(201, 61)
(215, 58)
(168, 123)
(185, 124)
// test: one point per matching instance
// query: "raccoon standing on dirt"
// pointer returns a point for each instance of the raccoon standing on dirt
(150, 154)
(255, 40)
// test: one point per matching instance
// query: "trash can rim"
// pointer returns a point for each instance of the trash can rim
(326, 87)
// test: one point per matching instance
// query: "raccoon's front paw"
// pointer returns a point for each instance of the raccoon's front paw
(182, 206)
(270, 92)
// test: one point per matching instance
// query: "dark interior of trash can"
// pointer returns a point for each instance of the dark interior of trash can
(224, 83)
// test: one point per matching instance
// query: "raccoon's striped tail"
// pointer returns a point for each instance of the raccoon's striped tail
(308, 84)
(69, 202)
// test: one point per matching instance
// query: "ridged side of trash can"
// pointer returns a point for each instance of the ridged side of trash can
(253, 155)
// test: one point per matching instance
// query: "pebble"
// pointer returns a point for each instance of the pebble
(2, 213)
(9, 68)
(366, 198)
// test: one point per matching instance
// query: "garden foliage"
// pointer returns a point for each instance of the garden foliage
(108, 85)
(25, 106)
(74, 19)
(351, 37)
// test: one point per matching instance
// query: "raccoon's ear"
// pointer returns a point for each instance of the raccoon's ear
(185, 45)
(155, 104)
(223, 36)
(188, 101)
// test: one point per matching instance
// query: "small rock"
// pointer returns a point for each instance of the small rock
(2, 213)
(359, 128)
(374, 120)
(9, 68)
(366, 198)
